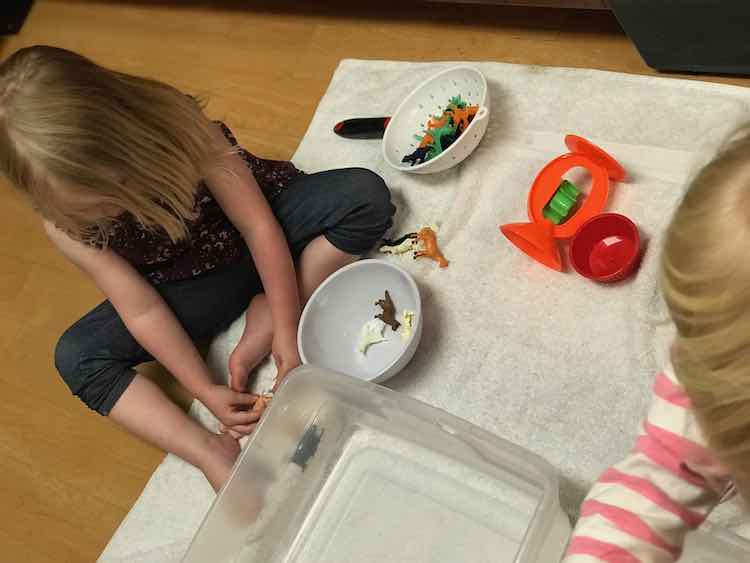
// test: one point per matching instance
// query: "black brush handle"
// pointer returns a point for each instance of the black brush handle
(362, 127)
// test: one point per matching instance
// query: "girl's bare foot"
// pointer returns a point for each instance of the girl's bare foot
(222, 452)
(255, 344)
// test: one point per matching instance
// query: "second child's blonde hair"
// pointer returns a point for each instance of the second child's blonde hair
(706, 285)
(132, 144)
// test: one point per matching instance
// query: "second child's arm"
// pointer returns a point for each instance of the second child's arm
(642, 508)
(153, 324)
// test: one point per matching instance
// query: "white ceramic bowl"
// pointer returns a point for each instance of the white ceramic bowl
(430, 98)
(331, 323)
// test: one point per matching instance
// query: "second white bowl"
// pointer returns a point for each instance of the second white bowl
(331, 323)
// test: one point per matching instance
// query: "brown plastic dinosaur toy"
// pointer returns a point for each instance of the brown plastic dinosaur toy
(428, 239)
(388, 316)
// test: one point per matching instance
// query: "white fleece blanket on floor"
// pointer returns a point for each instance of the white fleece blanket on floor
(548, 360)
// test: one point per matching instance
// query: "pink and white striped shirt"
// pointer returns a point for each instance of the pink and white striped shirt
(640, 510)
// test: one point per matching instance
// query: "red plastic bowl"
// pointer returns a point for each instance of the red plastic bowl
(606, 248)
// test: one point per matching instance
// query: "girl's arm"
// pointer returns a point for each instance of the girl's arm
(642, 508)
(153, 324)
(235, 189)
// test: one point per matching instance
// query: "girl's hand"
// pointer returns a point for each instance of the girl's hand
(238, 432)
(285, 355)
(232, 408)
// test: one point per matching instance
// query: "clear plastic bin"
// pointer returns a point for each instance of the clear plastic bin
(715, 545)
(341, 470)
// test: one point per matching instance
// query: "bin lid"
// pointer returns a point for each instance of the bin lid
(711, 544)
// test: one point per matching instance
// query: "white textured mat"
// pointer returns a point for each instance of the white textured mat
(550, 361)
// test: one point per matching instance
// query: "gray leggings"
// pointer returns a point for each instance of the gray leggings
(350, 207)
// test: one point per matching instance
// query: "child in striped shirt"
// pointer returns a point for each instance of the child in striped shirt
(693, 450)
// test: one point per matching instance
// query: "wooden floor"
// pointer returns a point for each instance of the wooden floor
(68, 476)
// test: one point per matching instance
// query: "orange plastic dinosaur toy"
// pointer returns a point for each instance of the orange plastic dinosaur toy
(437, 123)
(428, 238)
(426, 140)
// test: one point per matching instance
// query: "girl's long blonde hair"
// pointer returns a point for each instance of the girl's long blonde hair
(131, 144)
(706, 284)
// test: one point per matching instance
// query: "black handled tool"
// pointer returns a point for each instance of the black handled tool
(362, 127)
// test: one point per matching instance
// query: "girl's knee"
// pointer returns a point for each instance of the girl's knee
(373, 191)
(68, 358)
(92, 376)
(370, 213)
(373, 199)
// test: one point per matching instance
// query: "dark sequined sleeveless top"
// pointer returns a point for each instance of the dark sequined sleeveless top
(212, 241)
